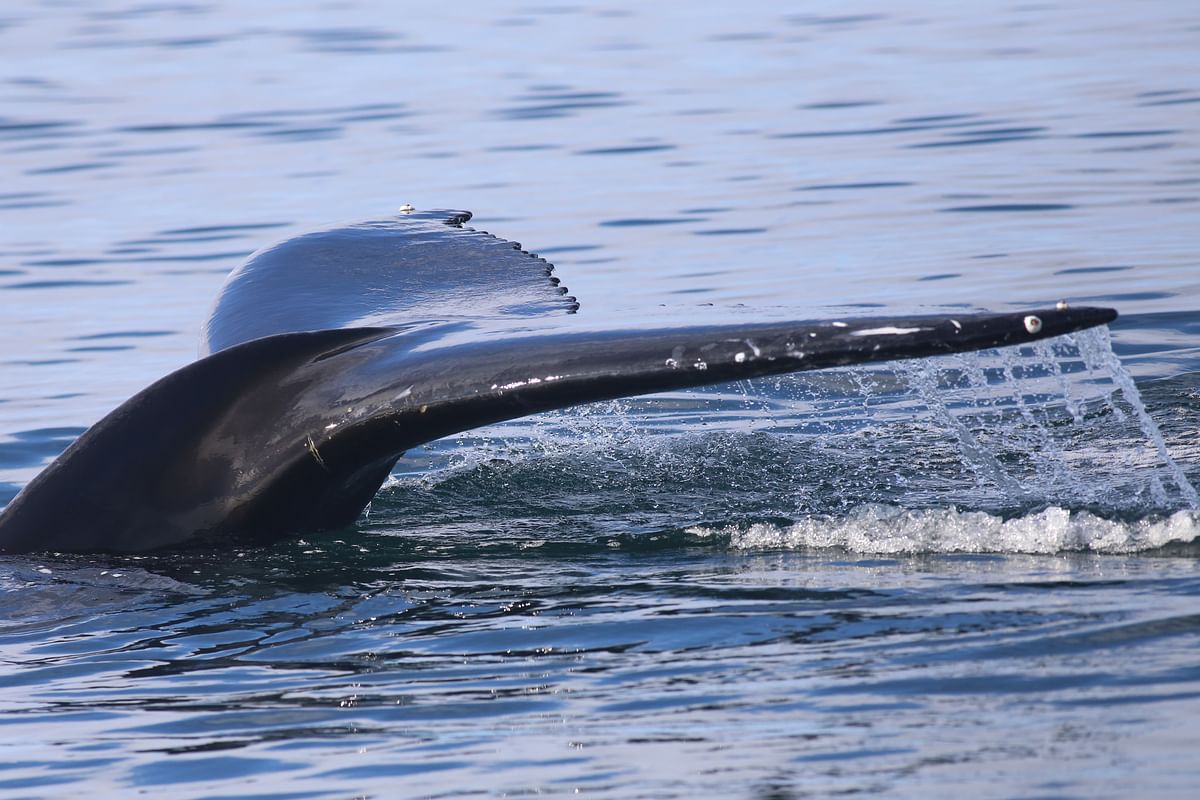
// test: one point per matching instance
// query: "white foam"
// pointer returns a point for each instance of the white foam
(885, 529)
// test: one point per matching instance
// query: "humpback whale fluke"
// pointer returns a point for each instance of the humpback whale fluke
(330, 354)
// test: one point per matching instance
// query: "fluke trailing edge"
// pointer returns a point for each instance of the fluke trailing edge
(331, 354)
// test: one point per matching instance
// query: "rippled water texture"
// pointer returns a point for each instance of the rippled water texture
(976, 576)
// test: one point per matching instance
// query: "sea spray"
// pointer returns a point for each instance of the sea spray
(982, 461)
(1096, 348)
(885, 529)
(1058, 422)
(1005, 440)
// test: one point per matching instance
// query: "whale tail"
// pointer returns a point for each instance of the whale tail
(286, 428)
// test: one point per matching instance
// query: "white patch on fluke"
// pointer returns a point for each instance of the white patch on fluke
(888, 330)
(517, 384)
(527, 382)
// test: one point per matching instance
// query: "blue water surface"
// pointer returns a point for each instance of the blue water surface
(976, 577)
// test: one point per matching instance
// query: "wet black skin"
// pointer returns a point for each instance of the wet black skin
(331, 354)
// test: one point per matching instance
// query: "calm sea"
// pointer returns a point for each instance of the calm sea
(972, 577)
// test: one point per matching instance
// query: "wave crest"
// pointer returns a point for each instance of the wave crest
(886, 529)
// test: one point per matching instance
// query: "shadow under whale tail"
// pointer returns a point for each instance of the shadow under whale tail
(296, 431)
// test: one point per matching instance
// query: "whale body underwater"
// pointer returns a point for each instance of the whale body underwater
(329, 355)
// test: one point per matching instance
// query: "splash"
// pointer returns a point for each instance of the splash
(1097, 351)
(1057, 421)
(1044, 448)
(882, 529)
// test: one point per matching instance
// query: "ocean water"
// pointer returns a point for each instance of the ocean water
(975, 575)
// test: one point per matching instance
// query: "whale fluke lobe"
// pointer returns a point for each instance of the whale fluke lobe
(413, 267)
(332, 353)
